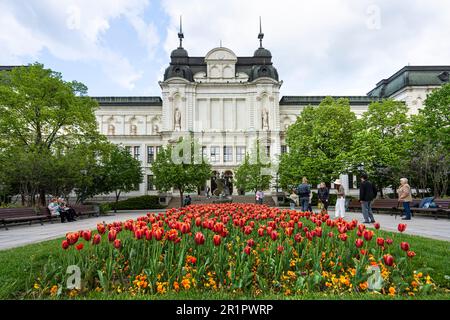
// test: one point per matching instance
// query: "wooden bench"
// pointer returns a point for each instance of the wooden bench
(443, 208)
(17, 215)
(85, 210)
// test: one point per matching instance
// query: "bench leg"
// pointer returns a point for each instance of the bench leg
(6, 227)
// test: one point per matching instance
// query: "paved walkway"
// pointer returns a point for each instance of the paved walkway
(18, 236)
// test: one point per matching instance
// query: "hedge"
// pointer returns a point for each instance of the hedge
(137, 203)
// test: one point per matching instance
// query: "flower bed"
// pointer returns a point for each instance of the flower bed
(241, 248)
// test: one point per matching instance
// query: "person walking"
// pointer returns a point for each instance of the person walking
(367, 192)
(207, 191)
(323, 194)
(259, 197)
(340, 201)
(303, 192)
(293, 200)
(404, 196)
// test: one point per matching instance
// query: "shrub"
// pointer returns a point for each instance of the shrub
(137, 203)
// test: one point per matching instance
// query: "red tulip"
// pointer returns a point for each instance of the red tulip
(101, 228)
(318, 232)
(216, 240)
(343, 236)
(72, 237)
(376, 225)
(388, 260)
(342, 229)
(96, 239)
(148, 235)
(112, 234)
(198, 222)
(274, 235)
(298, 237)
(251, 242)
(139, 233)
(300, 224)
(280, 248)
(359, 243)
(368, 234)
(380, 242)
(199, 238)
(389, 241)
(359, 234)
(331, 234)
(361, 227)
(288, 231)
(87, 235)
(117, 243)
(65, 244)
(79, 246)
(248, 230)
(411, 254)
(260, 232)
(401, 227)
(404, 246)
(185, 228)
(158, 234)
(247, 250)
(363, 252)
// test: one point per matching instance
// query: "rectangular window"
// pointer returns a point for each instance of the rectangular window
(214, 154)
(240, 154)
(227, 154)
(283, 149)
(268, 151)
(150, 154)
(158, 148)
(137, 152)
(350, 180)
(204, 153)
(150, 184)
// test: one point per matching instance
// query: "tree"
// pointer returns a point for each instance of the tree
(429, 161)
(381, 144)
(121, 172)
(180, 167)
(254, 173)
(40, 112)
(315, 140)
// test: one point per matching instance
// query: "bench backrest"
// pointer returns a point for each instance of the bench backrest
(18, 212)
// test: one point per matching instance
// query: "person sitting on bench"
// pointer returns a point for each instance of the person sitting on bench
(55, 209)
(70, 212)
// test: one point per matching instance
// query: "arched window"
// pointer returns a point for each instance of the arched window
(111, 130)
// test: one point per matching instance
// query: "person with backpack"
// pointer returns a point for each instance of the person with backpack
(323, 194)
(303, 192)
(367, 192)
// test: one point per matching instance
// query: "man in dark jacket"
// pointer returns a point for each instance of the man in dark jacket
(367, 192)
(303, 192)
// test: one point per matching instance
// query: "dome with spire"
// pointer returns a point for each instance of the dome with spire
(262, 53)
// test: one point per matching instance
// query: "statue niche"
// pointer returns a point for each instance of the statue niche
(177, 120)
(265, 119)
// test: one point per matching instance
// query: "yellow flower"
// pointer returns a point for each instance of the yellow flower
(363, 285)
(176, 286)
(420, 275)
(54, 290)
(391, 291)
(36, 286)
(327, 284)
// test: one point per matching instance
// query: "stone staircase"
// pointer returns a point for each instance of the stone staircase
(175, 201)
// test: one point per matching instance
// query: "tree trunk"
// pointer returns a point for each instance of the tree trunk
(181, 198)
(117, 201)
(42, 197)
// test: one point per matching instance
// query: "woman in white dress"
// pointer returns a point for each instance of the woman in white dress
(340, 201)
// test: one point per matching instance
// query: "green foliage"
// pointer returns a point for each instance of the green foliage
(381, 144)
(255, 172)
(429, 160)
(315, 140)
(181, 167)
(137, 203)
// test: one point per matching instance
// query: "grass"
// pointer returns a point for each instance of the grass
(19, 268)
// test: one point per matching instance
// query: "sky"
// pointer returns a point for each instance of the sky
(321, 47)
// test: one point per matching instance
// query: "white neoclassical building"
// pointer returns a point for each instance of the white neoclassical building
(226, 101)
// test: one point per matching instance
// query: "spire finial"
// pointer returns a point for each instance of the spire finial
(261, 34)
(180, 34)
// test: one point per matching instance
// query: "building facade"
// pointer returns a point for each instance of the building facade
(226, 102)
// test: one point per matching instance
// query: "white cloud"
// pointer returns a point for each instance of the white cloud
(320, 47)
(73, 30)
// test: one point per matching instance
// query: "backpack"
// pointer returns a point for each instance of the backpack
(303, 190)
